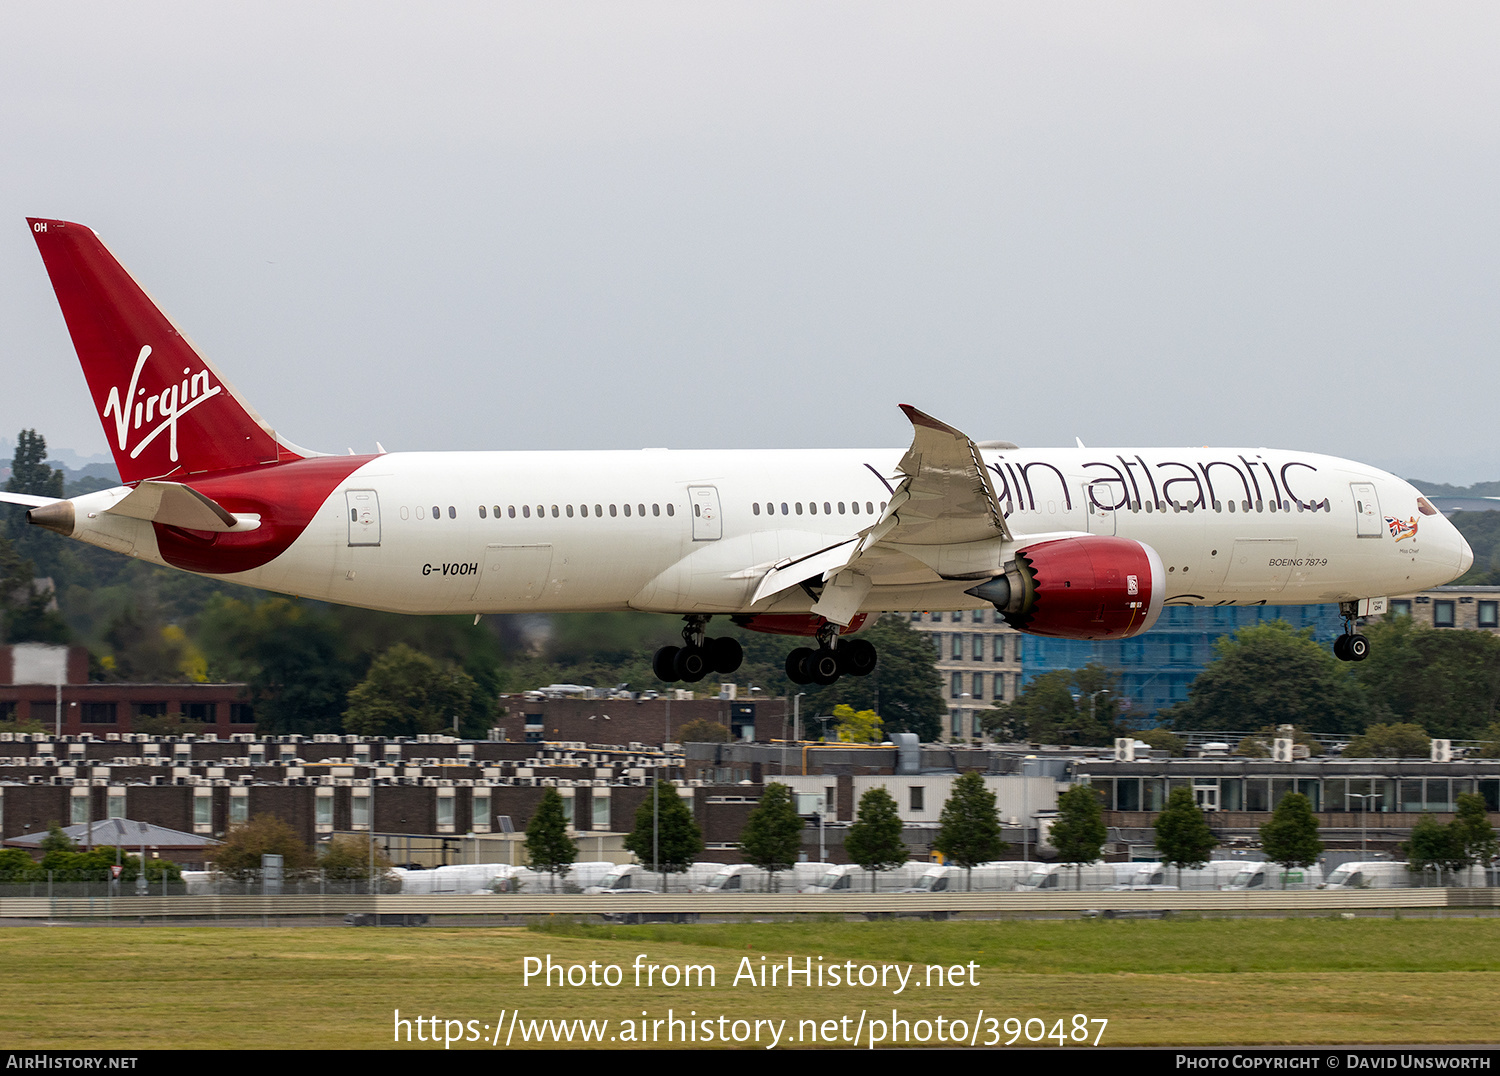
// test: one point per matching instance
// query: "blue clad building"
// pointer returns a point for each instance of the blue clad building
(1156, 668)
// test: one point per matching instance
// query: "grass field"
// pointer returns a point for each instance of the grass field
(1205, 982)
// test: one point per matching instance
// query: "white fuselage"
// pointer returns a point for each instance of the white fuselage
(419, 532)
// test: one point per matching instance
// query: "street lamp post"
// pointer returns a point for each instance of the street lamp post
(1363, 810)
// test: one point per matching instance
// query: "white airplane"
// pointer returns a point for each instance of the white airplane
(1075, 543)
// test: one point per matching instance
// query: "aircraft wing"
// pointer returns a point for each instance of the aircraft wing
(944, 498)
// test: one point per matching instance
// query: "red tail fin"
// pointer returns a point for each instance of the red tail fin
(166, 411)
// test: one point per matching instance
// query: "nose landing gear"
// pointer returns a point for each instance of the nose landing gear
(1350, 646)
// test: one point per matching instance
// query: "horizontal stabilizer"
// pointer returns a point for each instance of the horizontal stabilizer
(25, 498)
(174, 505)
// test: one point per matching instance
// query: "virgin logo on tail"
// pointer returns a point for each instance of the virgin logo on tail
(168, 405)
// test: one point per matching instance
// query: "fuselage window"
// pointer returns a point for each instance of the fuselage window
(627, 510)
(420, 512)
(599, 510)
(526, 510)
(828, 509)
(583, 510)
(452, 512)
(812, 507)
(611, 509)
(511, 511)
(870, 508)
(403, 511)
(798, 506)
(554, 511)
(755, 508)
(882, 507)
(1245, 506)
(497, 511)
(854, 507)
(784, 510)
(1260, 506)
(697, 510)
(841, 508)
(671, 511)
(1231, 506)
(481, 511)
(640, 509)
(570, 511)
(437, 513)
(656, 509)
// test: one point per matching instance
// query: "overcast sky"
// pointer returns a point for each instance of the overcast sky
(610, 225)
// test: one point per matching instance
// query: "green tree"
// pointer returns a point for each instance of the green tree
(861, 726)
(673, 842)
(874, 840)
(407, 693)
(1182, 834)
(1390, 741)
(56, 840)
(1447, 682)
(548, 845)
(703, 731)
(1258, 744)
(239, 855)
(1161, 740)
(969, 828)
(905, 689)
(1078, 833)
(1435, 846)
(772, 836)
(1290, 838)
(1071, 706)
(291, 655)
(1473, 829)
(347, 859)
(1279, 675)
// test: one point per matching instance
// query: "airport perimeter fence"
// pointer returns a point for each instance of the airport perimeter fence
(90, 885)
(503, 909)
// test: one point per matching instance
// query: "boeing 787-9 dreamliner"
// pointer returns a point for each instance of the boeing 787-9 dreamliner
(1076, 543)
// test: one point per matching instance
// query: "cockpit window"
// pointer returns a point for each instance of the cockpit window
(1425, 507)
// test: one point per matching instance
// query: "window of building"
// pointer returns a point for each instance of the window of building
(78, 810)
(956, 685)
(1442, 614)
(203, 811)
(148, 709)
(976, 647)
(97, 713)
(239, 808)
(241, 713)
(1489, 615)
(999, 648)
(958, 647)
(445, 810)
(599, 804)
(915, 798)
(568, 802)
(115, 804)
(202, 712)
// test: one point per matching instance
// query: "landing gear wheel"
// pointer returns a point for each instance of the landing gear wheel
(691, 664)
(823, 666)
(795, 670)
(1341, 648)
(857, 657)
(663, 664)
(725, 654)
(1357, 648)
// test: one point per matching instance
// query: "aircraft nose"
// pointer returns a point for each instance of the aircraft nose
(1465, 555)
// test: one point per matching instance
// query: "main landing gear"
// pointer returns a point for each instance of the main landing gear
(833, 658)
(697, 656)
(1350, 646)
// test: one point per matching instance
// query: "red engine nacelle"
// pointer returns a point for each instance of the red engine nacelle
(1093, 587)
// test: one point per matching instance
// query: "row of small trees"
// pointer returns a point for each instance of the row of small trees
(666, 837)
